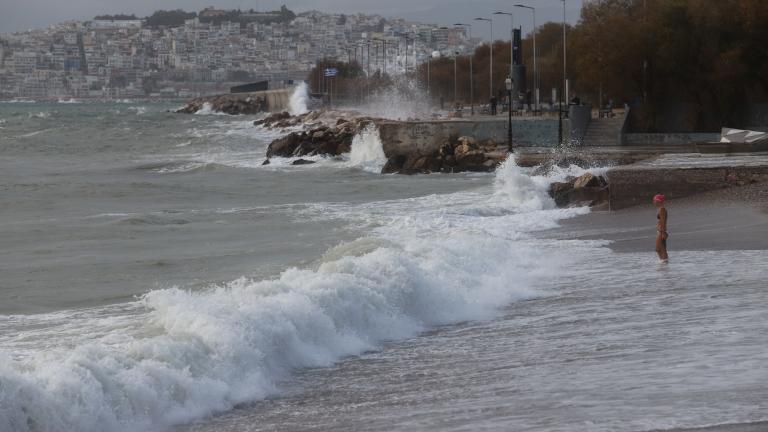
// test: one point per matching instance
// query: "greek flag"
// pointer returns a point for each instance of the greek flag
(331, 72)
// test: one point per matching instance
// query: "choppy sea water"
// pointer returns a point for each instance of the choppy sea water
(155, 276)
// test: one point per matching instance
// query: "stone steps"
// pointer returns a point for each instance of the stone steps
(603, 132)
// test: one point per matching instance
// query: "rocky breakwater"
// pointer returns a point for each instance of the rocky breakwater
(322, 140)
(457, 154)
(233, 104)
(284, 120)
(587, 189)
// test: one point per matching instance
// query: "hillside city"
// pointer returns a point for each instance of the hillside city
(177, 54)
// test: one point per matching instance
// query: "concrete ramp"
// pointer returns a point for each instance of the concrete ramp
(729, 135)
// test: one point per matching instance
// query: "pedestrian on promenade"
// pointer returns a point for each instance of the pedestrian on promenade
(661, 228)
(494, 102)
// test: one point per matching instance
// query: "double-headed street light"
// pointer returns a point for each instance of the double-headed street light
(471, 71)
(490, 84)
(535, 61)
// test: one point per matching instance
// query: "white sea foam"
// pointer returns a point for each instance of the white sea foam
(299, 100)
(177, 355)
(367, 152)
(139, 110)
(207, 109)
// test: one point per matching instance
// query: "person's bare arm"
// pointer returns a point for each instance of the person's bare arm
(663, 222)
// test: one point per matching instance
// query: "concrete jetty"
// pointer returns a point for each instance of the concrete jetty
(242, 103)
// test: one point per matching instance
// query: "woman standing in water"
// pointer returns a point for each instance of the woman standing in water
(661, 228)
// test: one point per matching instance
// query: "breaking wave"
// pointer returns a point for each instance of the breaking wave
(176, 355)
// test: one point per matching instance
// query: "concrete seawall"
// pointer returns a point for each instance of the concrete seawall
(426, 137)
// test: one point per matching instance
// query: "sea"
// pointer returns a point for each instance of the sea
(156, 276)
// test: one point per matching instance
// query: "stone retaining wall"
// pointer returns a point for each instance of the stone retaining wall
(662, 139)
(426, 137)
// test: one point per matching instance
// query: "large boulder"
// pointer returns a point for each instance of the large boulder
(588, 189)
(457, 154)
(588, 180)
(286, 146)
(322, 140)
(272, 119)
(394, 164)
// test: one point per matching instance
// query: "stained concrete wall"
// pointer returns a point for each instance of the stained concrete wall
(663, 139)
(277, 100)
(426, 137)
(630, 186)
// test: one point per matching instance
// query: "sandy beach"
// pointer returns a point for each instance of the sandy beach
(728, 219)
(725, 220)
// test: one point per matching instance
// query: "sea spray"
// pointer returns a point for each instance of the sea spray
(404, 99)
(515, 187)
(206, 109)
(298, 103)
(367, 152)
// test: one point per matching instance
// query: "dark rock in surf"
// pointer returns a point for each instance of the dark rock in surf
(586, 190)
(232, 104)
(302, 162)
(321, 140)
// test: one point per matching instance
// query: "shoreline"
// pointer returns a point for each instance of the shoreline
(728, 219)
(758, 426)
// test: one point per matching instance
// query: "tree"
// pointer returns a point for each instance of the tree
(117, 17)
(169, 18)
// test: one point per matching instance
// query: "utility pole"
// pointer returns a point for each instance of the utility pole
(490, 84)
(535, 55)
(471, 71)
(455, 78)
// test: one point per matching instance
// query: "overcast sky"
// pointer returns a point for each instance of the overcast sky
(16, 15)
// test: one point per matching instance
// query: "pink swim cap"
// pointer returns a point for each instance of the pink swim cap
(659, 198)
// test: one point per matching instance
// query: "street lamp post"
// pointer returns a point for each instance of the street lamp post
(455, 78)
(565, 85)
(510, 83)
(471, 72)
(535, 61)
(565, 62)
(405, 67)
(384, 52)
(490, 84)
(511, 38)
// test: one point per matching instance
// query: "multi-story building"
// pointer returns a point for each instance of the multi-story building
(115, 58)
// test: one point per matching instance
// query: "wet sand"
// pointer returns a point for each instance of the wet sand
(729, 219)
(741, 427)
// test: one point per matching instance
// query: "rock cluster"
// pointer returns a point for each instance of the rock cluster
(321, 140)
(283, 120)
(456, 155)
(228, 104)
(587, 189)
